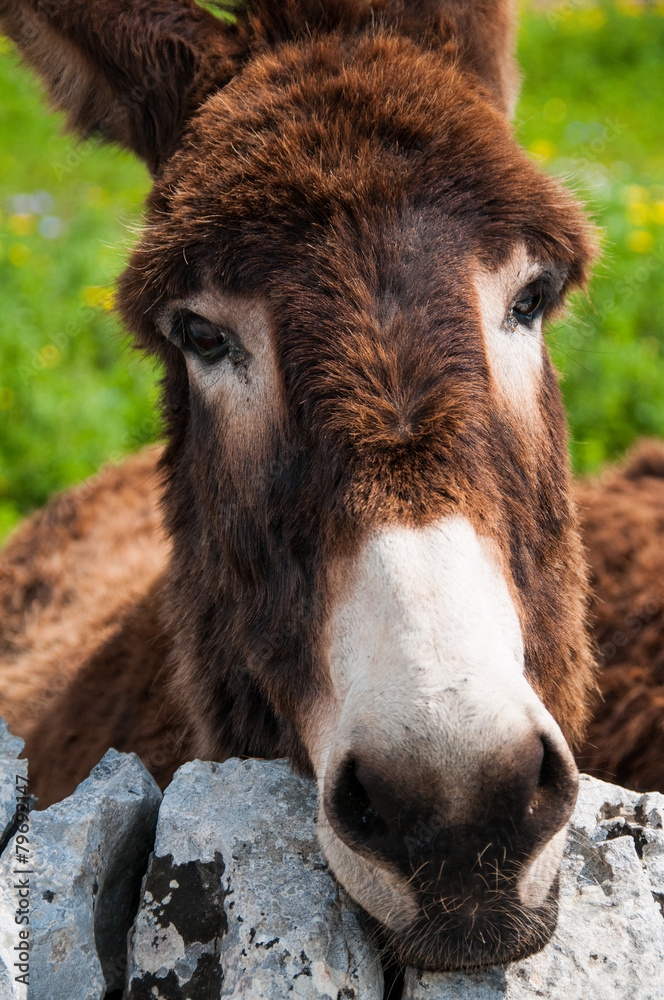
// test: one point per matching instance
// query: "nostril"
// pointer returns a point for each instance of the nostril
(350, 809)
(548, 772)
(557, 785)
(555, 772)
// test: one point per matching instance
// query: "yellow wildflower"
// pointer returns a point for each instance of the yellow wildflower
(640, 241)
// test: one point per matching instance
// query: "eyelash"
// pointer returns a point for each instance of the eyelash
(200, 335)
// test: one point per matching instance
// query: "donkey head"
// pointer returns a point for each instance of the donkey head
(345, 270)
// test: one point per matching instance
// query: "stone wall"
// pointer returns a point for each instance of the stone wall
(219, 890)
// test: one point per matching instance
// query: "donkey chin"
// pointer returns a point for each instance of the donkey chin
(446, 790)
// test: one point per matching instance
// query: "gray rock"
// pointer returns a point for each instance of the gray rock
(88, 854)
(10, 768)
(609, 944)
(7, 991)
(238, 900)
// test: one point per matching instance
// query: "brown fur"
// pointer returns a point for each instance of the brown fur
(68, 575)
(133, 714)
(623, 524)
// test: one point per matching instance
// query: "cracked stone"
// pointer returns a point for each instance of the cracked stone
(238, 896)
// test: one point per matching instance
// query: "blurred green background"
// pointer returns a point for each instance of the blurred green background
(73, 394)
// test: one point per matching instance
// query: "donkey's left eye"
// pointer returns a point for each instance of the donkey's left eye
(526, 307)
(209, 341)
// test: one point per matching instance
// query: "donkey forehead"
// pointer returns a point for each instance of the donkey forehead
(316, 249)
(383, 328)
(328, 139)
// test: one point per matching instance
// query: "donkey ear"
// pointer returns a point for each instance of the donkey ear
(482, 33)
(128, 70)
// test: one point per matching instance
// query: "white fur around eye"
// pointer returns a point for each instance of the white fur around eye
(514, 355)
(242, 392)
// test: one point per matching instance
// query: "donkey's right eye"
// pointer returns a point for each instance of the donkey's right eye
(208, 340)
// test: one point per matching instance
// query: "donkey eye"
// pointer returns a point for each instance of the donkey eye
(526, 307)
(528, 303)
(209, 341)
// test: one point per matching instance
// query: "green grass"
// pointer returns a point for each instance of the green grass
(592, 108)
(72, 395)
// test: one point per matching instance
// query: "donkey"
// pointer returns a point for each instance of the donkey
(371, 562)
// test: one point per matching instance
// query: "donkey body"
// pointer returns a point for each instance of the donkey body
(371, 560)
(622, 515)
